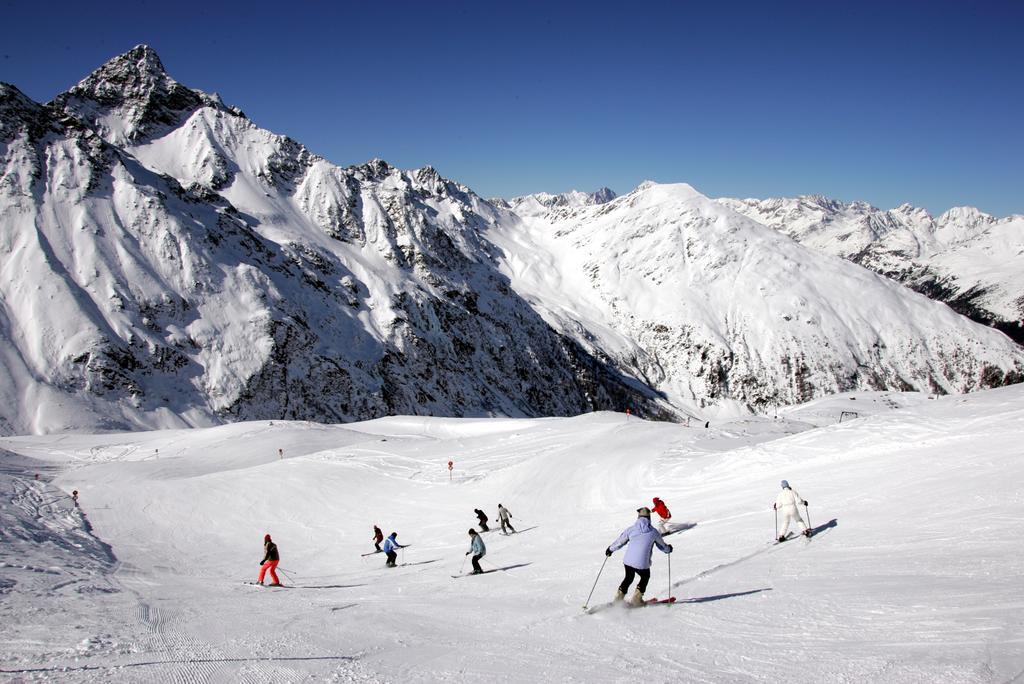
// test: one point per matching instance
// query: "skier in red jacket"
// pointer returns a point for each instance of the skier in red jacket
(662, 510)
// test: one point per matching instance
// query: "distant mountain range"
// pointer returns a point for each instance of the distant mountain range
(970, 260)
(166, 262)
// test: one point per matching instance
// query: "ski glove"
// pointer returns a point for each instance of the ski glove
(805, 503)
(670, 548)
(775, 507)
(608, 552)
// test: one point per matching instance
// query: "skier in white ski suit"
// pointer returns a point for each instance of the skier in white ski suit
(504, 516)
(787, 502)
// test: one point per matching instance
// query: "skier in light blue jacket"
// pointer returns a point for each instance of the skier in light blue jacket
(642, 538)
(477, 548)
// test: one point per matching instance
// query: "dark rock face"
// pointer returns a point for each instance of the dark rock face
(135, 85)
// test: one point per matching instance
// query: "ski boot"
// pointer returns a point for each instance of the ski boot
(637, 599)
(782, 538)
(619, 596)
(807, 533)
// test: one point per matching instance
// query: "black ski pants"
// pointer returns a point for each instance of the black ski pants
(631, 572)
(392, 557)
(476, 563)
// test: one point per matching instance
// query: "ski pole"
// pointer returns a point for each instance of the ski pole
(463, 566)
(669, 595)
(808, 514)
(775, 530)
(289, 577)
(587, 603)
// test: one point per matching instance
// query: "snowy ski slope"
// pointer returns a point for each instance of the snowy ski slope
(915, 576)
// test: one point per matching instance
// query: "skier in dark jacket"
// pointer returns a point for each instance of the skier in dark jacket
(269, 562)
(391, 547)
(642, 538)
(477, 548)
(482, 517)
(378, 537)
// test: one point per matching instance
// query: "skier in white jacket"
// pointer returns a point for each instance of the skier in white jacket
(787, 502)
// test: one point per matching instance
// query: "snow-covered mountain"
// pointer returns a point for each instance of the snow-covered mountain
(712, 307)
(541, 203)
(964, 257)
(167, 262)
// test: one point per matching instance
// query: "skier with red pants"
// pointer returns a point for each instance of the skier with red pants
(269, 562)
(662, 510)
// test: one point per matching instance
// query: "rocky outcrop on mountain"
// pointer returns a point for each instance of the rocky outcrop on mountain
(968, 259)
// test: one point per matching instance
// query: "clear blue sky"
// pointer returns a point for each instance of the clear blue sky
(889, 102)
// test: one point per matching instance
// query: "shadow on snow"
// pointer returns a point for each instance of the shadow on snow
(719, 597)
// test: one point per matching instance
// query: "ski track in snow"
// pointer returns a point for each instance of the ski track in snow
(913, 574)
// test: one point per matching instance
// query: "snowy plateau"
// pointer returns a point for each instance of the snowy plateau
(914, 575)
(209, 333)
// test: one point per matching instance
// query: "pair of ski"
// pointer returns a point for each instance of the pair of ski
(374, 553)
(790, 535)
(267, 586)
(590, 610)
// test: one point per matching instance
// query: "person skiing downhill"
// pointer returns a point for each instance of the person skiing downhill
(378, 537)
(662, 510)
(269, 562)
(482, 517)
(787, 502)
(390, 548)
(477, 548)
(642, 538)
(504, 517)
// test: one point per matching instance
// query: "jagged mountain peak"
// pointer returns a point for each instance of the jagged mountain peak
(132, 95)
(542, 202)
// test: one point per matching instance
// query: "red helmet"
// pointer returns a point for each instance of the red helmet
(266, 537)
